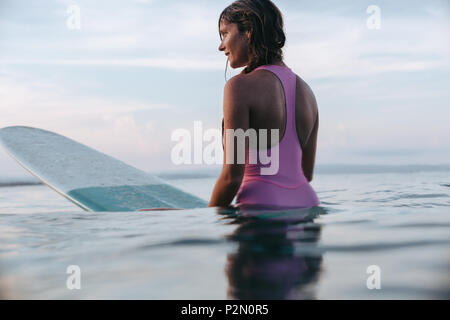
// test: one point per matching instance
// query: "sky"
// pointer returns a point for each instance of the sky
(127, 74)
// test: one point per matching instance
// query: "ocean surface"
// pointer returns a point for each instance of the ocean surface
(380, 233)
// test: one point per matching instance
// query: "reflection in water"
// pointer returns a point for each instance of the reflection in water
(266, 264)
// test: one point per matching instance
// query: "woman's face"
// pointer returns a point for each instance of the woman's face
(234, 44)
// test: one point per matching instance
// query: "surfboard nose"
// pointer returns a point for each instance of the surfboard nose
(90, 179)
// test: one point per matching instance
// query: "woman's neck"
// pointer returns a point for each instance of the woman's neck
(279, 63)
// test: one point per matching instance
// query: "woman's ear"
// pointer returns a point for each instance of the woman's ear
(248, 35)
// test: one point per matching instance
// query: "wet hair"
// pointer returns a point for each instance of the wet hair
(264, 21)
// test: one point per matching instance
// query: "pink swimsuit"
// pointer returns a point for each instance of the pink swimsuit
(289, 188)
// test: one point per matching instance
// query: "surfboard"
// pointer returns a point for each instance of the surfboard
(92, 180)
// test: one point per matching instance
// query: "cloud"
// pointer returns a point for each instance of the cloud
(175, 35)
(102, 123)
(320, 43)
(174, 63)
(343, 46)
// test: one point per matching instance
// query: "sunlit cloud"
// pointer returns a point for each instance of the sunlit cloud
(175, 64)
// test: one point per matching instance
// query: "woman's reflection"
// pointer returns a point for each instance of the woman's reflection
(276, 256)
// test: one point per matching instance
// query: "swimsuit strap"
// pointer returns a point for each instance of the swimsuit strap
(288, 81)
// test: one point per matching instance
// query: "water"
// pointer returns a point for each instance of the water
(398, 221)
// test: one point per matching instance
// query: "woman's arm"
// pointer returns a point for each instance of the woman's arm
(309, 152)
(236, 116)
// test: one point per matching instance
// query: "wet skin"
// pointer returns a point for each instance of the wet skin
(256, 100)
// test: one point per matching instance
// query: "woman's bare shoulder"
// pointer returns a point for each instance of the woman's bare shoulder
(236, 92)
(238, 84)
(306, 96)
(243, 84)
(304, 88)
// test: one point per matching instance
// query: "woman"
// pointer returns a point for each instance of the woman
(266, 95)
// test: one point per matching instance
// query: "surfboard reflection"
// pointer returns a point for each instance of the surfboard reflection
(275, 258)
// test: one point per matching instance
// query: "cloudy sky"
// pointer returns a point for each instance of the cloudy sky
(135, 71)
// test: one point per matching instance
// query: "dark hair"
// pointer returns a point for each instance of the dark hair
(264, 21)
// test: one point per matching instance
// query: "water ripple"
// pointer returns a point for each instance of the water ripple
(182, 242)
(371, 247)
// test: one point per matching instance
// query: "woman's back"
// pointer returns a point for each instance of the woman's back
(273, 105)
(267, 107)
